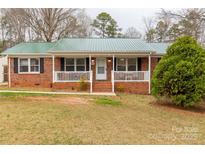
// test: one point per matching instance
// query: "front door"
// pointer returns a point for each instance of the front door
(101, 73)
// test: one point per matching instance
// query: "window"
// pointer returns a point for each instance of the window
(126, 64)
(29, 65)
(132, 64)
(121, 64)
(75, 64)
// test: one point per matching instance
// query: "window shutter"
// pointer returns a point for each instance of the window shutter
(15, 65)
(115, 64)
(87, 64)
(139, 60)
(62, 64)
(41, 65)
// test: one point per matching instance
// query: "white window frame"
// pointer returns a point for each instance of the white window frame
(29, 66)
(75, 64)
(126, 64)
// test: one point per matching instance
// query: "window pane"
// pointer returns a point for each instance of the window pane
(131, 64)
(121, 64)
(101, 70)
(121, 68)
(69, 61)
(132, 68)
(80, 68)
(23, 62)
(121, 61)
(131, 61)
(80, 61)
(34, 68)
(23, 68)
(34, 61)
(23, 65)
(34, 65)
(69, 68)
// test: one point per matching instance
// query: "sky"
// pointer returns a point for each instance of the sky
(126, 17)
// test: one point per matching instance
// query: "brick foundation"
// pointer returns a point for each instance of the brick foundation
(69, 86)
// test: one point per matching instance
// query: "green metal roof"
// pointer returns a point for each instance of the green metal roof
(160, 48)
(88, 45)
(102, 45)
(31, 47)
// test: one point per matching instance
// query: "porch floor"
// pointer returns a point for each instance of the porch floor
(59, 93)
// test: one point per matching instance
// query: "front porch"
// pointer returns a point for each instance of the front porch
(103, 73)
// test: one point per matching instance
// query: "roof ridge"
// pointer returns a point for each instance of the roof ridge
(99, 38)
(38, 42)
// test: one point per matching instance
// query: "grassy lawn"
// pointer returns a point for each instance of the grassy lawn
(122, 119)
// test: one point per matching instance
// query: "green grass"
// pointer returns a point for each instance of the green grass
(107, 101)
(48, 119)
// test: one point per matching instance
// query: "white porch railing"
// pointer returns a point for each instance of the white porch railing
(131, 75)
(63, 76)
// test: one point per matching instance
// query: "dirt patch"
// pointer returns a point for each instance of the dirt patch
(200, 109)
(62, 100)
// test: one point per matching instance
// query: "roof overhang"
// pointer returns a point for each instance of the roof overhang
(81, 53)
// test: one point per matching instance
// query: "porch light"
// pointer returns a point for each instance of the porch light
(93, 61)
(122, 59)
(109, 60)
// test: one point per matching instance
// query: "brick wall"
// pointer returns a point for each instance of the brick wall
(57, 64)
(42, 80)
(133, 87)
(144, 64)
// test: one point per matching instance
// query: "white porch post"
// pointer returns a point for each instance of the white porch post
(91, 74)
(113, 69)
(149, 67)
(53, 58)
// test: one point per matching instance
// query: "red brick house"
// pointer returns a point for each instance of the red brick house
(107, 65)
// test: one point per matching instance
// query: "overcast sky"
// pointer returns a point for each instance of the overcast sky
(126, 17)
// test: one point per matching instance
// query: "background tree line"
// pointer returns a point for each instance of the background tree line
(51, 24)
(168, 25)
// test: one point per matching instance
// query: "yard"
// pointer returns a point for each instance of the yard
(122, 119)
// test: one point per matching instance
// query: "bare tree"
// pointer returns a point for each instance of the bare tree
(50, 23)
(43, 24)
(186, 22)
(132, 32)
(84, 28)
(149, 29)
(13, 29)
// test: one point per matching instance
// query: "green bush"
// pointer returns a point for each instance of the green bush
(180, 74)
